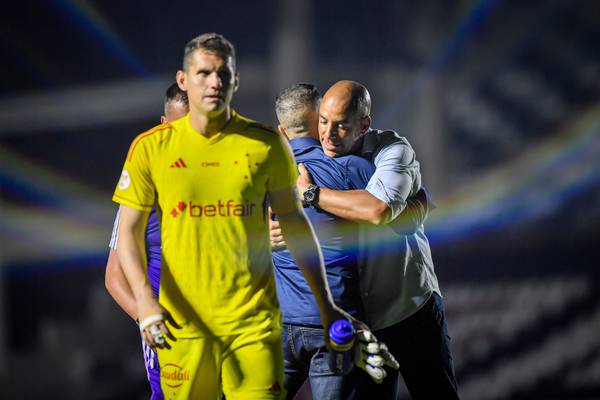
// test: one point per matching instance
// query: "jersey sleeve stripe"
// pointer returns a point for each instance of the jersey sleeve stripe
(262, 127)
(115, 231)
(141, 136)
(126, 202)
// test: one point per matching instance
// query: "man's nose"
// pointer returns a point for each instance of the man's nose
(330, 131)
(214, 80)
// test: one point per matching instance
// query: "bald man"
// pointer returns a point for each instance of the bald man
(400, 291)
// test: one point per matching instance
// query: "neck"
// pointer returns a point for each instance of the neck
(209, 125)
(299, 135)
(358, 143)
(304, 134)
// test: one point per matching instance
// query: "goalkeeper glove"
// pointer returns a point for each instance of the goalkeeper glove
(372, 355)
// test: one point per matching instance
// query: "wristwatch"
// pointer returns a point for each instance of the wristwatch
(311, 196)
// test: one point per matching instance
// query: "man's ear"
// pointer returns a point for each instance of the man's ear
(163, 119)
(180, 79)
(365, 123)
(236, 83)
(282, 131)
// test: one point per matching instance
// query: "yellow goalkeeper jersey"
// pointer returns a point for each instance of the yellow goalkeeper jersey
(211, 194)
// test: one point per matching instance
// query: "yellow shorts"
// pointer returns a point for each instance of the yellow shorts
(246, 366)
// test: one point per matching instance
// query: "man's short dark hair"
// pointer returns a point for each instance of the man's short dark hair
(292, 103)
(212, 43)
(175, 94)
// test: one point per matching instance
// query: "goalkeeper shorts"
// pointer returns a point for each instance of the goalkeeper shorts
(245, 366)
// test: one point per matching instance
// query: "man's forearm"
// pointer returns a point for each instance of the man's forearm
(355, 205)
(117, 285)
(132, 254)
(132, 261)
(303, 246)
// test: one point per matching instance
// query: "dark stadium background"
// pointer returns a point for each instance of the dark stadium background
(501, 100)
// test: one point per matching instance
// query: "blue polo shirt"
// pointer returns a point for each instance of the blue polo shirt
(338, 239)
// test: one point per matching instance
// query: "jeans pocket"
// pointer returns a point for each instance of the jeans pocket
(312, 338)
(319, 362)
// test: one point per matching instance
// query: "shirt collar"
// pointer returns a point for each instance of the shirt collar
(367, 144)
(304, 144)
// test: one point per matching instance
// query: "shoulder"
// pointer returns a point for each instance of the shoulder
(260, 127)
(147, 138)
(384, 138)
(387, 144)
(396, 155)
(267, 137)
(358, 171)
(251, 126)
(158, 132)
(355, 161)
(257, 132)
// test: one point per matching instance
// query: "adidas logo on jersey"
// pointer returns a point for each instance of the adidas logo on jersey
(179, 164)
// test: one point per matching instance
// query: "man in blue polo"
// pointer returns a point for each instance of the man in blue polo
(304, 347)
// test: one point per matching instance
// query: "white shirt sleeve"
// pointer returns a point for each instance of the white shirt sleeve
(396, 176)
(115, 232)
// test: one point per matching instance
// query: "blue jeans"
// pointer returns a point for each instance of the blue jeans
(305, 355)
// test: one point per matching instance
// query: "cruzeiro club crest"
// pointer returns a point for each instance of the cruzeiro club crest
(125, 180)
